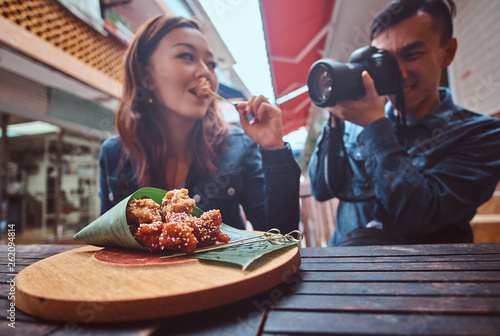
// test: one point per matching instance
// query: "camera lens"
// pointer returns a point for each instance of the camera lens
(325, 82)
(330, 82)
(321, 80)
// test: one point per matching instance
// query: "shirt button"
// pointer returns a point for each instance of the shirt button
(197, 198)
(358, 155)
(362, 146)
(231, 191)
(111, 196)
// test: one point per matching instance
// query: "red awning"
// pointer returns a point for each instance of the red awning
(295, 32)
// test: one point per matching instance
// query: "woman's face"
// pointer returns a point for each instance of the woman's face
(181, 57)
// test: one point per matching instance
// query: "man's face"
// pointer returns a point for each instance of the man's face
(421, 56)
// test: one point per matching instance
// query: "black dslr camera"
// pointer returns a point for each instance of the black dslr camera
(330, 82)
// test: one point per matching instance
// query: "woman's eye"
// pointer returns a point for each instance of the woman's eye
(186, 56)
(212, 65)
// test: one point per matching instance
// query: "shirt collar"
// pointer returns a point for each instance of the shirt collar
(438, 117)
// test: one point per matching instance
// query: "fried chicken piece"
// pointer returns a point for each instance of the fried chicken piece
(206, 229)
(177, 233)
(133, 228)
(142, 211)
(178, 201)
(148, 235)
(203, 90)
(179, 230)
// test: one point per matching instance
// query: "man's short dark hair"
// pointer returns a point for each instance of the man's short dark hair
(441, 11)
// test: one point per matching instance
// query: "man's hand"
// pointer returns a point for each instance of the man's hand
(364, 111)
(266, 128)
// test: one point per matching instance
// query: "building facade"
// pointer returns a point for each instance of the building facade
(60, 82)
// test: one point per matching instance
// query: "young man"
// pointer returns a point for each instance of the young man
(429, 176)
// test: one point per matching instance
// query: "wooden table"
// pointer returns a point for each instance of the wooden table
(378, 290)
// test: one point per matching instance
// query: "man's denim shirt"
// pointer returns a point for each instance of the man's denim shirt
(264, 182)
(428, 184)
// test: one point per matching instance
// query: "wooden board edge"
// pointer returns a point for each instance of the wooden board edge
(146, 309)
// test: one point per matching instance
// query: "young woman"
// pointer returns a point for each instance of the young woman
(171, 137)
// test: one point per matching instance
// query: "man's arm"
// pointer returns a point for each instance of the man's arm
(360, 112)
(461, 174)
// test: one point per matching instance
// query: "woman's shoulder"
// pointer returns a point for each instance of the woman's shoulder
(237, 136)
(113, 141)
(111, 147)
(235, 131)
(239, 150)
(238, 146)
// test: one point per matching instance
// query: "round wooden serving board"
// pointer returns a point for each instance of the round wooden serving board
(92, 284)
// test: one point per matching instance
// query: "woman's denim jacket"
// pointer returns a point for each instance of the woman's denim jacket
(264, 182)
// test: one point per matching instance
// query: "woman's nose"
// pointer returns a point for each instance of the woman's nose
(203, 70)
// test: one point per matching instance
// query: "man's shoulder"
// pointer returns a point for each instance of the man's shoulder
(469, 117)
(474, 128)
(449, 115)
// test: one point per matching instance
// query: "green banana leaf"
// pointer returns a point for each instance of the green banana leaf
(242, 255)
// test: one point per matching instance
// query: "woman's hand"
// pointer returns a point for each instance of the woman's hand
(266, 128)
(364, 111)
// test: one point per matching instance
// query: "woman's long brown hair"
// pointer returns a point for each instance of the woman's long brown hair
(142, 131)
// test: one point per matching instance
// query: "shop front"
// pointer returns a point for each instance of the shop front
(50, 143)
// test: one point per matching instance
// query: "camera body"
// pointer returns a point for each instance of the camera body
(330, 82)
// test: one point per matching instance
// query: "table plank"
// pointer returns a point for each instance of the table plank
(6, 277)
(20, 261)
(391, 304)
(404, 259)
(308, 323)
(18, 268)
(401, 250)
(125, 329)
(20, 316)
(26, 328)
(240, 318)
(384, 266)
(388, 276)
(24, 254)
(41, 327)
(41, 248)
(400, 288)
(393, 290)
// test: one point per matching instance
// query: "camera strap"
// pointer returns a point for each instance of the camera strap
(401, 116)
(340, 165)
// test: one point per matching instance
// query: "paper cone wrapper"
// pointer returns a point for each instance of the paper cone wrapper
(111, 229)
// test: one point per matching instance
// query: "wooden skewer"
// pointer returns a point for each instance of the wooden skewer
(234, 103)
(217, 247)
(273, 236)
(224, 99)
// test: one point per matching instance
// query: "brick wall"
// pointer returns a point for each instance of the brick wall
(49, 20)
